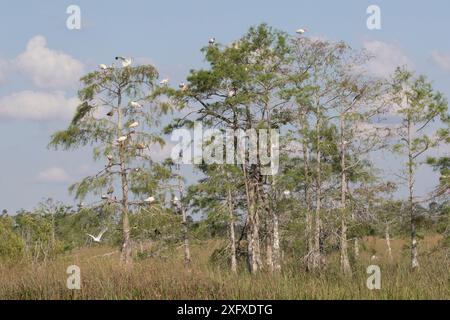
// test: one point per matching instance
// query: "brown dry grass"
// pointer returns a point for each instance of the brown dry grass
(156, 278)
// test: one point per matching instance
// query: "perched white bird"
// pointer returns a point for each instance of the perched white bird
(135, 104)
(175, 199)
(122, 139)
(287, 193)
(125, 61)
(183, 86)
(133, 125)
(232, 93)
(105, 197)
(103, 66)
(301, 31)
(212, 41)
(150, 200)
(164, 82)
(109, 157)
(99, 237)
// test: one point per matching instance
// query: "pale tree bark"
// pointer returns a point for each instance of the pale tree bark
(269, 242)
(126, 253)
(317, 256)
(345, 263)
(414, 244)
(276, 243)
(232, 231)
(252, 235)
(187, 251)
(307, 194)
(388, 242)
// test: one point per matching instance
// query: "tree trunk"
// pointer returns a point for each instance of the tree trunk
(276, 243)
(232, 232)
(309, 228)
(414, 249)
(388, 243)
(269, 243)
(187, 251)
(345, 263)
(126, 257)
(317, 259)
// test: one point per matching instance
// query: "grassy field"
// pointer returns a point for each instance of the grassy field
(165, 278)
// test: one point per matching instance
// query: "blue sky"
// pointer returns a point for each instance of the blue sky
(169, 35)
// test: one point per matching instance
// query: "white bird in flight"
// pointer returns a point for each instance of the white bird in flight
(125, 61)
(133, 125)
(301, 31)
(99, 237)
(164, 82)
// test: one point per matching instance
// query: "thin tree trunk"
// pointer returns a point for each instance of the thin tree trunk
(232, 232)
(345, 263)
(388, 243)
(309, 231)
(187, 251)
(126, 257)
(414, 249)
(252, 265)
(276, 243)
(317, 259)
(269, 242)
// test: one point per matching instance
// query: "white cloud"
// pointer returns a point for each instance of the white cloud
(48, 68)
(53, 174)
(38, 105)
(441, 59)
(386, 58)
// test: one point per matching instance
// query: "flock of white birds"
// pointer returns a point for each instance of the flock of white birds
(126, 62)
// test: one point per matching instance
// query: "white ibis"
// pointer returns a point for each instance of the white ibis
(183, 86)
(232, 93)
(98, 238)
(125, 61)
(103, 66)
(212, 41)
(135, 104)
(164, 82)
(287, 193)
(133, 125)
(301, 31)
(105, 197)
(149, 200)
(122, 139)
